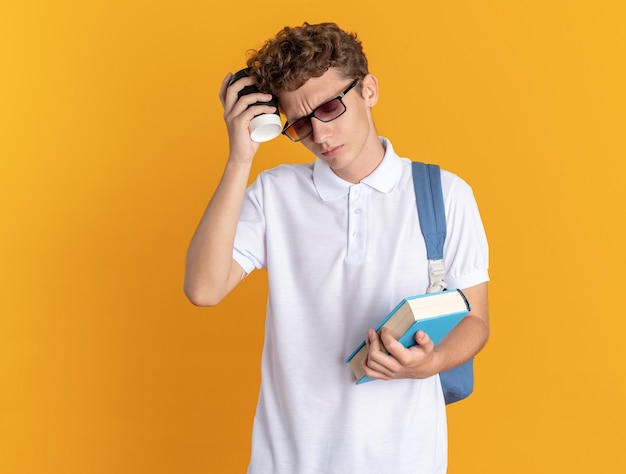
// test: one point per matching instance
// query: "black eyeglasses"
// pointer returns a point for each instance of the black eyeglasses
(326, 112)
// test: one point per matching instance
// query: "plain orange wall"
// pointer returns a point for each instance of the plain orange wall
(112, 141)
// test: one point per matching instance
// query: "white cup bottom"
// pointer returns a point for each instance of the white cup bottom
(265, 127)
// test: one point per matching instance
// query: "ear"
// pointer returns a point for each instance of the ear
(369, 89)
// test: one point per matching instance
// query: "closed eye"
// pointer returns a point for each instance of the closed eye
(329, 109)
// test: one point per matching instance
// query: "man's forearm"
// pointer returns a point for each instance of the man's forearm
(209, 267)
(470, 335)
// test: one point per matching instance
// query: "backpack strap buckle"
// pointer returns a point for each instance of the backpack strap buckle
(436, 272)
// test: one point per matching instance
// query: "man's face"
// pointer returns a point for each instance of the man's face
(349, 143)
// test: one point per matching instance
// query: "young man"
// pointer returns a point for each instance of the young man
(341, 243)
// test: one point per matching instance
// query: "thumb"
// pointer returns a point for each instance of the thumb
(424, 341)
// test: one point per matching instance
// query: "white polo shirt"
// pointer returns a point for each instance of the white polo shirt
(339, 256)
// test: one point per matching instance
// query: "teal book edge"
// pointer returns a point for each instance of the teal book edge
(436, 327)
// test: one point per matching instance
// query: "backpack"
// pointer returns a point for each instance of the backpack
(457, 383)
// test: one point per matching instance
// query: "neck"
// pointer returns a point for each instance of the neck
(368, 160)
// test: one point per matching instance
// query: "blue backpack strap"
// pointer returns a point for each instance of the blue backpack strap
(429, 196)
(457, 383)
(432, 217)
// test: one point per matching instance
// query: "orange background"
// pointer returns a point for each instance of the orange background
(112, 141)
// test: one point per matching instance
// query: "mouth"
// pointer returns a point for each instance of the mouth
(332, 152)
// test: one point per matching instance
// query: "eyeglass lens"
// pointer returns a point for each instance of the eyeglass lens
(326, 112)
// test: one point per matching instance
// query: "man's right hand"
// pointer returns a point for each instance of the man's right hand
(238, 114)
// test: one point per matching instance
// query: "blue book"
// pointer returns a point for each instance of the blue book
(434, 313)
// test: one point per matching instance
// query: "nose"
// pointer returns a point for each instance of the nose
(322, 131)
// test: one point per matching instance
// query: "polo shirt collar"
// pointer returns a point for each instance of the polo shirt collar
(330, 186)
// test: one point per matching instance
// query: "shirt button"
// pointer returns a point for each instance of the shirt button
(357, 211)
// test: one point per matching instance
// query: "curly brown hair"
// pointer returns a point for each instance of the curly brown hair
(297, 54)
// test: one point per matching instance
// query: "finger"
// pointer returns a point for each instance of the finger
(391, 344)
(424, 341)
(246, 108)
(372, 366)
(374, 341)
(229, 93)
(387, 338)
(375, 371)
(224, 86)
(378, 358)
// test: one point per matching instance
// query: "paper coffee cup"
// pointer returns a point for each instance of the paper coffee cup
(263, 127)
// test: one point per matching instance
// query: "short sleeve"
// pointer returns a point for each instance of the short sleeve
(466, 251)
(250, 249)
